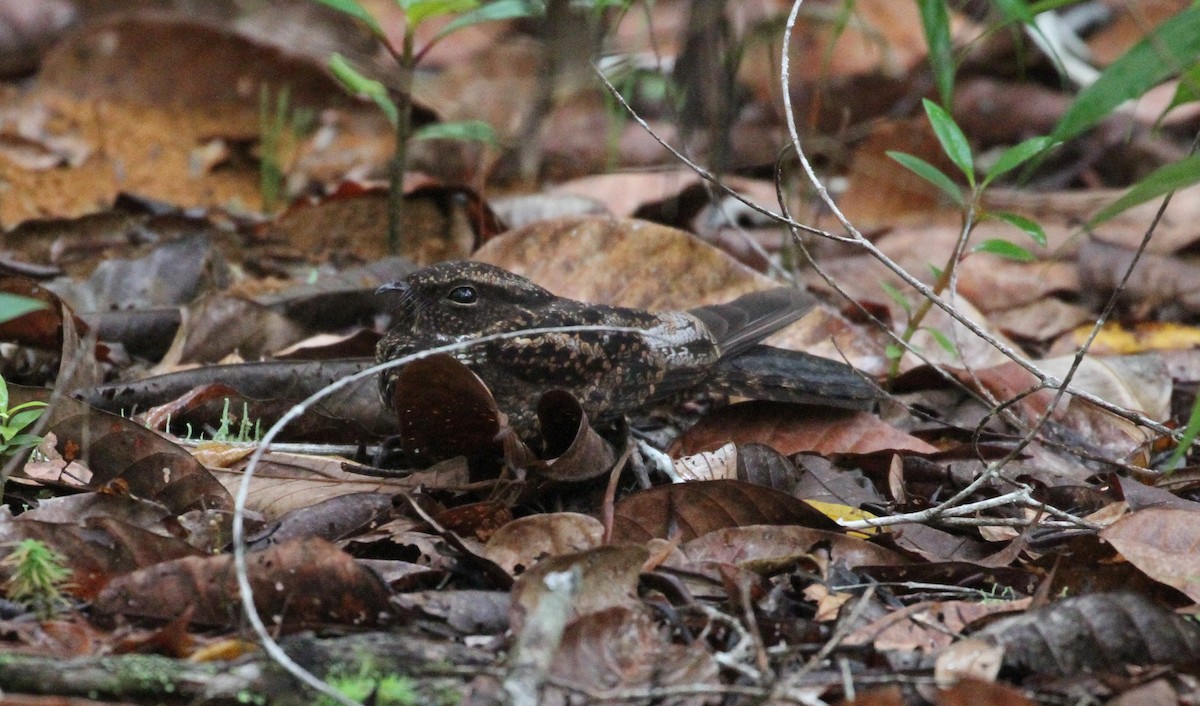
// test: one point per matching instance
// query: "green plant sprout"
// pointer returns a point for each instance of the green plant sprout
(399, 109)
(380, 689)
(954, 144)
(38, 577)
(14, 420)
(247, 431)
(279, 126)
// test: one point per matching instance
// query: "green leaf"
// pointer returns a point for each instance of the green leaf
(941, 338)
(1005, 249)
(897, 296)
(954, 142)
(1031, 228)
(358, 12)
(23, 440)
(1165, 179)
(3, 398)
(1014, 11)
(466, 130)
(1185, 442)
(929, 173)
(23, 419)
(893, 351)
(359, 84)
(935, 20)
(1172, 45)
(1015, 156)
(491, 12)
(417, 11)
(14, 306)
(1188, 90)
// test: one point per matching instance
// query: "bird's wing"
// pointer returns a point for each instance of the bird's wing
(752, 317)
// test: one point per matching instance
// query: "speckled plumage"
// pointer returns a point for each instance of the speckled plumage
(609, 372)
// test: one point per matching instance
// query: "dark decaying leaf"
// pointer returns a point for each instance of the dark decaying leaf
(270, 389)
(218, 325)
(574, 450)
(171, 274)
(1098, 632)
(333, 519)
(307, 582)
(444, 410)
(129, 457)
(691, 510)
(793, 429)
(469, 612)
(96, 550)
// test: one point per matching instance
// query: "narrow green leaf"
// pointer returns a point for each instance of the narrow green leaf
(493, 11)
(21, 420)
(359, 84)
(897, 296)
(954, 142)
(358, 12)
(934, 270)
(13, 306)
(929, 173)
(1015, 156)
(893, 351)
(1185, 442)
(1030, 227)
(466, 130)
(3, 397)
(417, 11)
(1005, 249)
(935, 20)
(1175, 175)
(24, 440)
(1172, 45)
(1188, 90)
(942, 339)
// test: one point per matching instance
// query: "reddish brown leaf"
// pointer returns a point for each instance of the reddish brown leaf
(758, 547)
(691, 510)
(96, 550)
(444, 410)
(307, 582)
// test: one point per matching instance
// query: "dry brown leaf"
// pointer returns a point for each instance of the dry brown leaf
(521, 543)
(793, 429)
(1162, 543)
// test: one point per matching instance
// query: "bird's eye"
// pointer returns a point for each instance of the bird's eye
(463, 294)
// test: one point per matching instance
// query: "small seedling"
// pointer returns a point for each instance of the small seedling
(14, 420)
(399, 109)
(38, 577)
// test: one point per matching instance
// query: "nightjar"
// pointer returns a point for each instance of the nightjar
(609, 372)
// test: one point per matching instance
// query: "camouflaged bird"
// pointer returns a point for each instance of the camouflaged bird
(609, 372)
